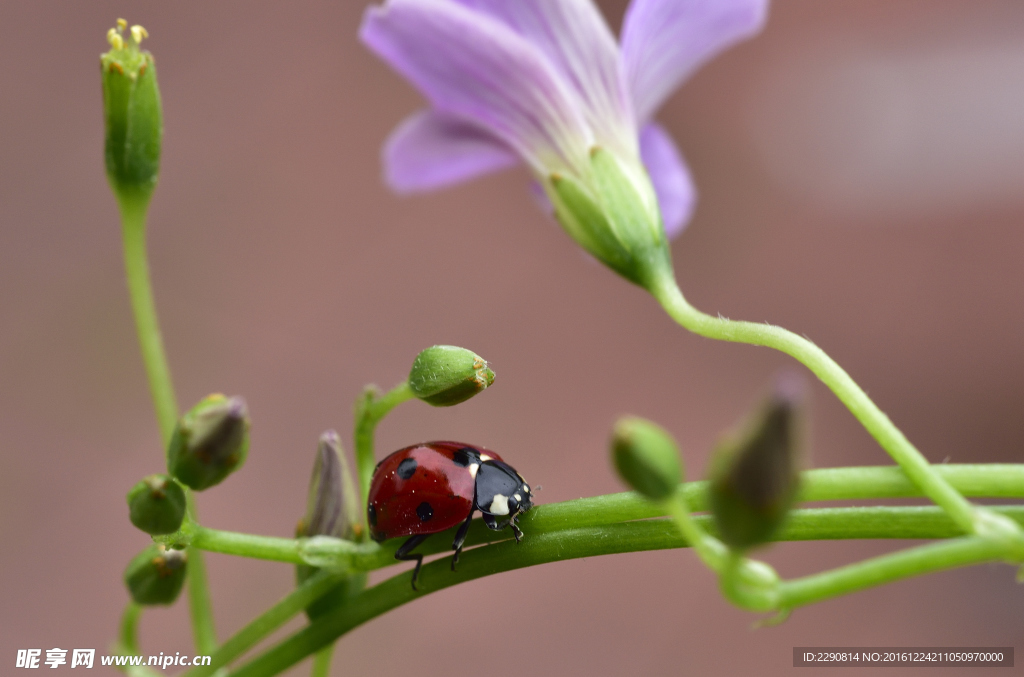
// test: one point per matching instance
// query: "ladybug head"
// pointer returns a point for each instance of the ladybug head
(500, 490)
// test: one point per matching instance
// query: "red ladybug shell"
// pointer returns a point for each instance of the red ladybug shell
(422, 489)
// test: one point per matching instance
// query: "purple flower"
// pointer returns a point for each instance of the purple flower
(544, 82)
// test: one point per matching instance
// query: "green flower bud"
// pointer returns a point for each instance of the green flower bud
(755, 474)
(447, 375)
(210, 442)
(156, 505)
(613, 213)
(156, 575)
(332, 509)
(132, 111)
(647, 458)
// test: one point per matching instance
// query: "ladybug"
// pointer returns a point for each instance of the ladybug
(431, 487)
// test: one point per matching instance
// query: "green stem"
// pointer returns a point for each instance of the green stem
(709, 549)
(888, 568)
(199, 603)
(856, 400)
(829, 484)
(128, 638)
(369, 411)
(128, 641)
(657, 534)
(322, 662)
(252, 634)
(133, 228)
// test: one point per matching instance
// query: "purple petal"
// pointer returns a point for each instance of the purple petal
(431, 150)
(672, 183)
(476, 68)
(575, 38)
(664, 41)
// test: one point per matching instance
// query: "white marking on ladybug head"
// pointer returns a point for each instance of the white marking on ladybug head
(473, 468)
(485, 457)
(499, 506)
(517, 497)
(526, 488)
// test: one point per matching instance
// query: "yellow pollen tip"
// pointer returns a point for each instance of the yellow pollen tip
(121, 24)
(138, 33)
(115, 40)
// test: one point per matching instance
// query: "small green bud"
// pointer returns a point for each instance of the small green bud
(647, 458)
(156, 505)
(210, 442)
(332, 509)
(132, 111)
(612, 212)
(447, 375)
(156, 575)
(755, 474)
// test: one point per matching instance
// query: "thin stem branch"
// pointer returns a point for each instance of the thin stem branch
(128, 641)
(273, 618)
(128, 638)
(888, 568)
(322, 662)
(133, 229)
(370, 409)
(824, 367)
(199, 603)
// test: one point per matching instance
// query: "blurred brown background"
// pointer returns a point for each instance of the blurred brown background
(860, 168)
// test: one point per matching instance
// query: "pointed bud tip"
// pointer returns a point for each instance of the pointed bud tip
(210, 441)
(755, 473)
(332, 505)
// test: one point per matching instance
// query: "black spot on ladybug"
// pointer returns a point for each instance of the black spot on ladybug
(463, 456)
(424, 511)
(406, 468)
(371, 514)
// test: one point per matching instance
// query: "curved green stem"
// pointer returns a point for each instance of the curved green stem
(128, 641)
(370, 409)
(824, 367)
(133, 230)
(657, 534)
(322, 662)
(294, 603)
(128, 638)
(888, 568)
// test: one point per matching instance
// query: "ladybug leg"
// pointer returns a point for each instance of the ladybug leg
(516, 531)
(403, 554)
(460, 538)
